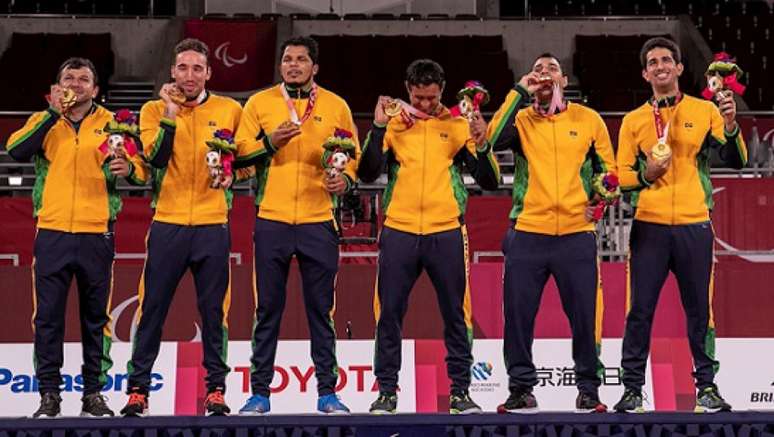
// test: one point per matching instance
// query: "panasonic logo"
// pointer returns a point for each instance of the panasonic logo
(25, 383)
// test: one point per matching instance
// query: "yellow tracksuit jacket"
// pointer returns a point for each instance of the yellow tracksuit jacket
(176, 150)
(683, 195)
(556, 158)
(290, 179)
(74, 190)
(425, 191)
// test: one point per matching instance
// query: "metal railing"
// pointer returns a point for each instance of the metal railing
(13, 257)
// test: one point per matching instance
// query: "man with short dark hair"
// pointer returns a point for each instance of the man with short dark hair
(282, 132)
(190, 224)
(664, 149)
(424, 206)
(76, 203)
(558, 148)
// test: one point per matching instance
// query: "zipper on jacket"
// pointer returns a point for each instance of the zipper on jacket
(422, 190)
(75, 180)
(193, 169)
(298, 164)
(298, 182)
(556, 173)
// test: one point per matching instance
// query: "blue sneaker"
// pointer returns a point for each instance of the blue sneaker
(331, 404)
(255, 406)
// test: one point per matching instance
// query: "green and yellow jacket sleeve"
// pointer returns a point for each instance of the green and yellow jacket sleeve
(481, 164)
(501, 132)
(23, 144)
(251, 138)
(730, 145)
(139, 174)
(372, 160)
(348, 123)
(631, 161)
(157, 133)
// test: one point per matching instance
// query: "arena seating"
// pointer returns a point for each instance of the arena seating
(44, 53)
(89, 7)
(362, 67)
(745, 29)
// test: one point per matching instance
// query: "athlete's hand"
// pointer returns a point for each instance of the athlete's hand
(530, 82)
(656, 168)
(478, 129)
(119, 166)
(170, 108)
(380, 118)
(727, 106)
(336, 184)
(284, 134)
(226, 181)
(55, 98)
(591, 206)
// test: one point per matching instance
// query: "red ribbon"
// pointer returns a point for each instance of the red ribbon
(226, 159)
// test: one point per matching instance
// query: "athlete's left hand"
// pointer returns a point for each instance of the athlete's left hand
(478, 129)
(336, 184)
(590, 207)
(226, 181)
(727, 106)
(119, 166)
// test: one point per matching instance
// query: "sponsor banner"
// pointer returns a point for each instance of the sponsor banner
(294, 387)
(19, 387)
(746, 376)
(556, 389)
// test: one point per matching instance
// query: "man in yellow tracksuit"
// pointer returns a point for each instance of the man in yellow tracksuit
(558, 147)
(672, 228)
(282, 132)
(76, 203)
(424, 206)
(190, 225)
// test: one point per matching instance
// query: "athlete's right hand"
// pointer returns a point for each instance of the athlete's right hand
(170, 108)
(284, 134)
(380, 118)
(55, 98)
(656, 168)
(530, 82)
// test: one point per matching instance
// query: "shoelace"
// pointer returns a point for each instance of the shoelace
(464, 397)
(137, 398)
(384, 398)
(215, 397)
(100, 400)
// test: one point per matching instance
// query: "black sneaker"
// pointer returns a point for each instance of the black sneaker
(137, 405)
(521, 400)
(589, 403)
(386, 403)
(631, 402)
(461, 403)
(710, 401)
(215, 405)
(49, 406)
(94, 405)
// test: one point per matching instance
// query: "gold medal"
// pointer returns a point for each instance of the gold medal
(68, 99)
(393, 109)
(545, 79)
(661, 151)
